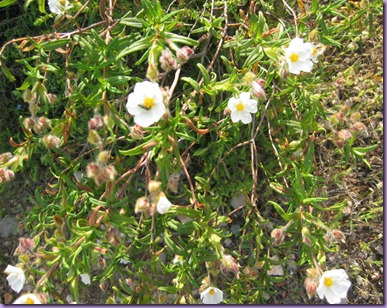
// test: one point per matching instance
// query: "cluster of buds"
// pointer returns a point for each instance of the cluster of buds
(94, 124)
(6, 175)
(227, 265)
(157, 200)
(37, 125)
(311, 282)
(100, 171)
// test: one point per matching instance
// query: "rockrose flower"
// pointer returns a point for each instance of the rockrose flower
(211, 295)
(163, 204)
(334, 285)
(298, 56)
(146, 103)
(58, 6)
(16, 277)
(242, 107)
(27, 299)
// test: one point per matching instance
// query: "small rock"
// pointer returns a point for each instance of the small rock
(8, 226)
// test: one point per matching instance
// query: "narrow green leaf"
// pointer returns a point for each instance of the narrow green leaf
(143, 43)
(5, 3)
(52, 45)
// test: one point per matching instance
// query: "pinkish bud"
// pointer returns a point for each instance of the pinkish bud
(339, 235)
(109, 173)
(51, 98)
(167, 61)
(342, 137)
(92, 170)
(136, 132)
(257, 90)
(96, 122)
(278, 236)
(25, 245)
(310, 285)
(28, 123)
(358, 127)
(44, 122)
(142, 205)
(228, 265)
(184, 53)
(306, 236)
(51, 141)
(6, 175)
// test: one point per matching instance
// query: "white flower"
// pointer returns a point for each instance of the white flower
(27, 299)
(177, 259)
(16, 277)
(124, 262)
(211, 295)
(146, 103)
(298, 56)
(242, 107)
(163, 204)
(58, 6)
(334, 285)
(85, 278)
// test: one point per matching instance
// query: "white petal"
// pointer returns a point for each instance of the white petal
(232, 103)
(235, 116)
(13, 269)
(331, 297)
(25, 297)
(245, 117)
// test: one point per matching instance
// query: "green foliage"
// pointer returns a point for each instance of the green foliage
(75, 79)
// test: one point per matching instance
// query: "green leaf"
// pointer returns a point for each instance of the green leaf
(7, 72)
(176, 38)
(52, 45)
(280, 211)
(132, 22)
(192, 82)
(204, 73)
(363, 150)
(175, 249)
(5, 3)
(141, 44)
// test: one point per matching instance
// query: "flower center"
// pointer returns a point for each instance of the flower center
(212, 291)
(30, 301)
(148, 102)
(294, 57)
(240, 106)
(63, 2)
(314, 51)
(328, 282)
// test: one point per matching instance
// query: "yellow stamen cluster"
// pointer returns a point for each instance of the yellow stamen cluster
(240, 107)
(328, 282)
(294, 57)
(149, 102)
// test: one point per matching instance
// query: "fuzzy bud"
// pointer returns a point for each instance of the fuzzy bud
(142, 205)
(228, 265)
(51, 141)
(339, 235)
(167, 61)
(28, 96)
(92, 170)
(25, 246)
(109, 173)
(173, 182)
(136, 132)
(310, 285)
(5, 157)
(342, 137)
(278, 236)
(28, 123)
(154, 187)
(306, 236)
(6, 175)
(312, 273)
(358, 127)
(184, 53)
(51, 98)
(96, 122)
(103, 157)
(93, 137)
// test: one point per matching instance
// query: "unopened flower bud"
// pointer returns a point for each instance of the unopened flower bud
(92, 170)
(256, 89)
(109, 173)
(342, 137)
(358, 127)
(142, 205)
(310, 285)
(28, 97)
(356, 116)
(33, 108)
(93, 137)
(339, 235)
(25, 246)
(152, 73)
(28, 123)
(249, 78)
(6, 175)
(108, 121)
(51, 98)
(173, 182)
(184, 53)
(228, 265)
(103, 157)
(51, 141)
(154, 187)
(167, 61)
(96, 122)
(136, 132)
(312, 273)
(44, 122)
(5, 157)
(278, 236)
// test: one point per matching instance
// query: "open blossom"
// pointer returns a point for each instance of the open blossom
(27, 299)
(163, 204)
(146, 103)
(177, 259)
(315, 52)
(298, 56)
(211, 295)
(334, 285)
(242, 107)
(16, 277)
(57, 6)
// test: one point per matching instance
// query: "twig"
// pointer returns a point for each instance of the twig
(294, 16)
